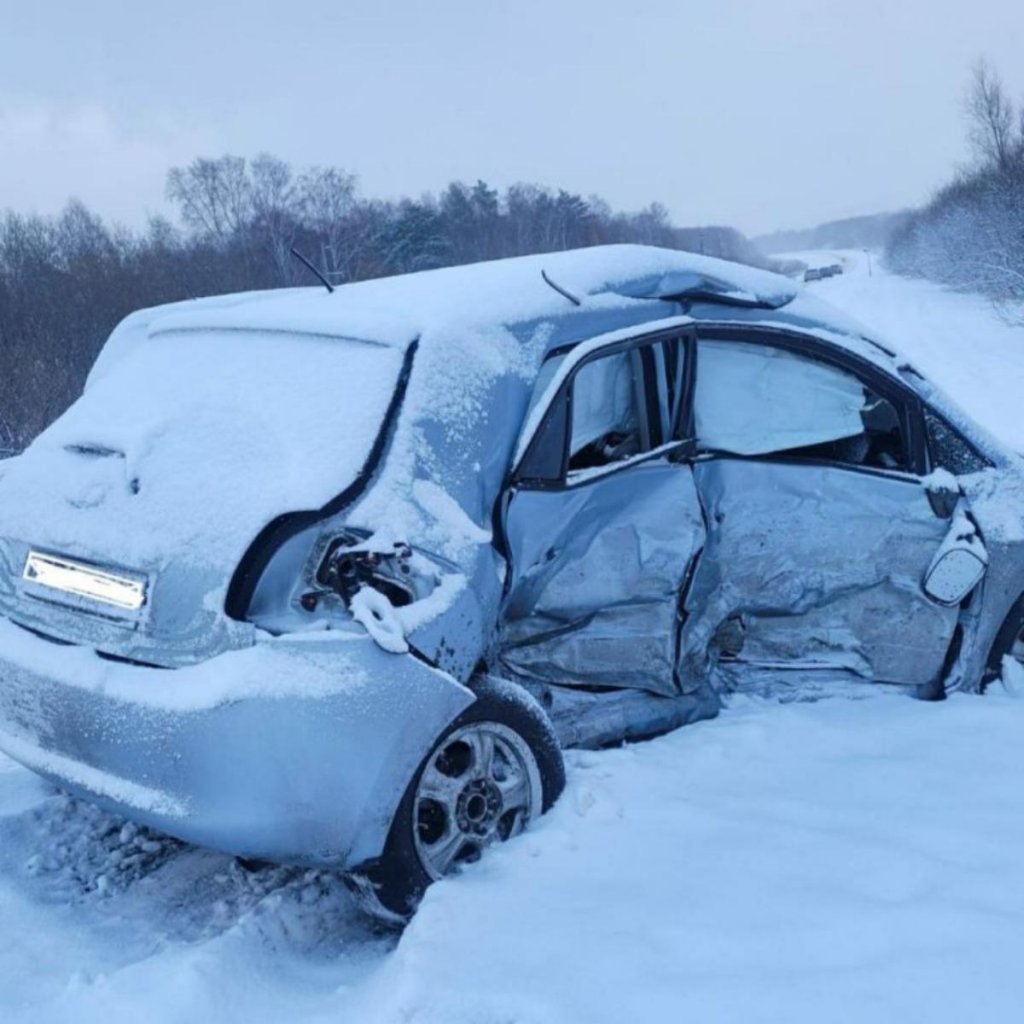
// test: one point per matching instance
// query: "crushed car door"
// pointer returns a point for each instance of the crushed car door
(821, 527)
(601, 522)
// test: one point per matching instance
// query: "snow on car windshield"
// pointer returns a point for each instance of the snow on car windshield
(193, 440)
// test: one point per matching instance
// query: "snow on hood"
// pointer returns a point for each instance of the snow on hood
(190, 442)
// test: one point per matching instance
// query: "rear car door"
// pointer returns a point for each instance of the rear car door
(810, 465)
(601, 521)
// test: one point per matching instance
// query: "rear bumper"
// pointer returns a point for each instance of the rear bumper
(295, 750)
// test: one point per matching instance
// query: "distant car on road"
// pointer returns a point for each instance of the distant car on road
(812, 274)
(330, 579)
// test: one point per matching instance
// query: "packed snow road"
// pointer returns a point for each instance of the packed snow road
(845, 860)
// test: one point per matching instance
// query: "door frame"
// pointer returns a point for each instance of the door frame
(907, 403)
(551, 428)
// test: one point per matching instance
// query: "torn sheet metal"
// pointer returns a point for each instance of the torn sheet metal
(594, 719)
(823, 566)
(597, 574)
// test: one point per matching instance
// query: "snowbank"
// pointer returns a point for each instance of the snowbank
(835, 861)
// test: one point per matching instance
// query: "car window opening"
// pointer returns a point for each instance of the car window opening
(759, 400)
(606, 420)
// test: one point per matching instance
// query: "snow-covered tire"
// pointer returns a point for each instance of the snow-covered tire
(1009, 637)
(495, 769)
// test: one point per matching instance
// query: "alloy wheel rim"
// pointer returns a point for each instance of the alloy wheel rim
(481, 786)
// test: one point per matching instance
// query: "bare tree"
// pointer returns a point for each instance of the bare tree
(214, 197)
(992, 123)
(274, 202)
(65, 281)
(971, 234)
(327, 199)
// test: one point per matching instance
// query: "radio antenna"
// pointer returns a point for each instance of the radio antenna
(558, 288)
(302, 259)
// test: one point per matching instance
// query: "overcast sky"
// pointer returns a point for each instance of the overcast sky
(771, 114)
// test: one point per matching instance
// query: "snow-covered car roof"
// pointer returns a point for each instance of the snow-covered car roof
(396, 310)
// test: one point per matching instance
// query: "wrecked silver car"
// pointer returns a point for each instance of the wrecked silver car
(330, 579)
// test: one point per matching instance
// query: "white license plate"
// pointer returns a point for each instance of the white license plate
(84, 581)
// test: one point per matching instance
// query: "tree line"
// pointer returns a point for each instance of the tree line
(971, 234)
(66, 280)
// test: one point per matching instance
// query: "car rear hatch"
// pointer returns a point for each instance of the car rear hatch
(121, 526)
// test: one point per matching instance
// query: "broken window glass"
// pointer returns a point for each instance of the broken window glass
(949, 449)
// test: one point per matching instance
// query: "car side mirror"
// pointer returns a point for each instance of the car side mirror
(953, 576)
(958, 565)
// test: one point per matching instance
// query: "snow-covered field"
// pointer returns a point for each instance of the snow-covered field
(846, 860)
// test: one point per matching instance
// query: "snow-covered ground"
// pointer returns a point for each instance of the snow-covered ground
(956, 340)
(845, 860)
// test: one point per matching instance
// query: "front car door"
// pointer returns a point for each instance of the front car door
(810, 469)
(601, 523)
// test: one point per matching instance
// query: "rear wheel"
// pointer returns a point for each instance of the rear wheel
(495, 770)
(1009, 642)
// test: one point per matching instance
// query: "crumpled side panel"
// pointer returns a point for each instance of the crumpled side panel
(994, 497)
(597, 572)
(822, 567)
